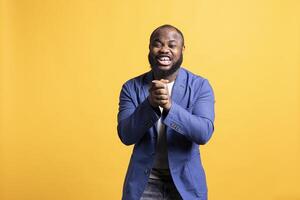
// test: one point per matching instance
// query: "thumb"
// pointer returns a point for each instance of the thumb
(164, 80)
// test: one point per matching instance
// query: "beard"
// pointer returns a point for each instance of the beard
(164, 73)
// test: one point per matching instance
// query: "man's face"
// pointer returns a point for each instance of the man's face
(165, 51)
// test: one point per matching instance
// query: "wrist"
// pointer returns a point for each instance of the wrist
(168, 107)
(152, 104)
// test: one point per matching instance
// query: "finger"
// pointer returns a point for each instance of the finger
(154, 87)
(155, 81)
(163, 102)
(164, 80)
(155, 90)
(159, 95)
(162, 97)
(160, 92)
(158, 82)
(158, 85)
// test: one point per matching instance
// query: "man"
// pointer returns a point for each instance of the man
(166, 113)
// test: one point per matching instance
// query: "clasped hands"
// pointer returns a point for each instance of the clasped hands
(159, 94)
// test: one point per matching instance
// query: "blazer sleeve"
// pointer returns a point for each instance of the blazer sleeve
(197, 125)
(134, 121)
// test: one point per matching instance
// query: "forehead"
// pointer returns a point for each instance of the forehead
(166, 34)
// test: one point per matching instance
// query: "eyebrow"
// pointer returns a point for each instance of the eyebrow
(157, 40)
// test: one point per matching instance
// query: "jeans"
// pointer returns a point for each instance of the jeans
(160, 189)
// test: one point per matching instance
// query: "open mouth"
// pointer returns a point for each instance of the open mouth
(163, 60)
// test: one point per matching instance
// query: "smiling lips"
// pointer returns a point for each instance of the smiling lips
(163, 60)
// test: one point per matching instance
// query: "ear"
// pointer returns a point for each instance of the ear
(183, 48)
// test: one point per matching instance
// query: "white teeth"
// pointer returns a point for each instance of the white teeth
(164, 58)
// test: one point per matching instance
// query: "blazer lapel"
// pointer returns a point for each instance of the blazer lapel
(146, 83)
(179, 87)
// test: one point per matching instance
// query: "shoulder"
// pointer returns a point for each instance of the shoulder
(198, 85)
(136, 81)
(194, 80)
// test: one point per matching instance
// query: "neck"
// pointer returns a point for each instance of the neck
(169, 77)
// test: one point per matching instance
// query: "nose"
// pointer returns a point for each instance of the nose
(164, 49)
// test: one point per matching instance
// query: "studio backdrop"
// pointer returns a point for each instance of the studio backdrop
(62, 65)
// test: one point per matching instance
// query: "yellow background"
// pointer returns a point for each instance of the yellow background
(62, 64)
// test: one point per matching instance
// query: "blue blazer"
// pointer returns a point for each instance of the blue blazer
(189, 123)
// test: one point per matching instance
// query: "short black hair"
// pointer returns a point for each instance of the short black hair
(167, 26)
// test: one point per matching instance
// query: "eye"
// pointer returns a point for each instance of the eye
(172, 46)
(156, 44)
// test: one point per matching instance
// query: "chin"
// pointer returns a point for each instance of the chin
(163, 67)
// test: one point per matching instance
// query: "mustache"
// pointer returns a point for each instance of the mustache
(153, 64)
